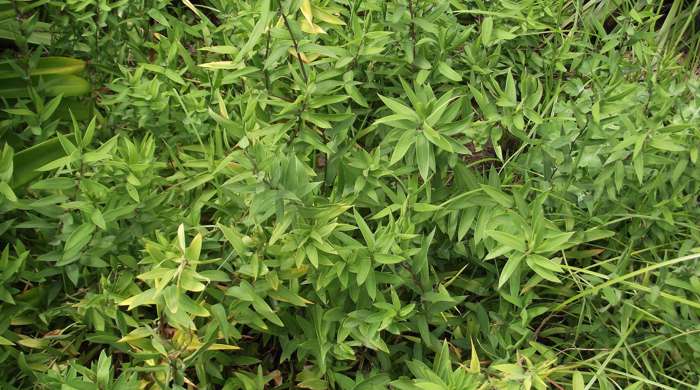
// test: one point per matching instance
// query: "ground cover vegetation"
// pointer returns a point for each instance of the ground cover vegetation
(349, 194)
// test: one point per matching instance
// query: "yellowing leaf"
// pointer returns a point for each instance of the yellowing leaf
(311, 28)
(192, 7)
(307, 11)
(327, 17)
(145, 298)
(136, 334)
(304, 58)
(33, 343)
(219, 65)
(220, 49)
(222, 347)
(474, 364)
(577, 382)
(192, 252)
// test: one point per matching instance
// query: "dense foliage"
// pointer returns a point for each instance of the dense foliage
(336, 194)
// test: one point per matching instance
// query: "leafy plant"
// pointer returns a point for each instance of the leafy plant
(349, 195)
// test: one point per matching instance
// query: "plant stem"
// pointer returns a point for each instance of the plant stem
(294, 42)
(412, 27)
(267, 54)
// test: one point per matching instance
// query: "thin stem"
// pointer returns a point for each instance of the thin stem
(303, 73)
(297, 129)
(265, 71)
(412, 27)
(294, 41)
(22, 44)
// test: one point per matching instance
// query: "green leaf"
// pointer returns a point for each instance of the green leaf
(398, 107)
(6, 190)
(596, 234)
(54, 183)
(423, 156)
(443, 364)
(407, 139)
(46, 66)
(436, 139)
(133, 192)
(4, 341)
(497, 195)
(509, 97)
(219, 313)
(638, 164)
(426, 207)
(448, 72)
(89, 133)
(225, 49)
(511, 266)
(193, 251)
(158, 17)
(28, 161)
(103, 374)
(98, 219)
(486, 30)
(256, 33)
(364, 267)
(264, 309)
(144, 298)
(78, 239)
(355, 95)
(666, 144)
(191, 306)
(285, 295)
(312, 255)
(383, 258)
(33, 343)
(364, 229)
(242, 292)
(537, 261)
(136, 334)
(555, 242)
(51, 107)
(509, 240)
(577, 382)
(234, 238)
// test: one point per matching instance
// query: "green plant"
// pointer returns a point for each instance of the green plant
(438, 194)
